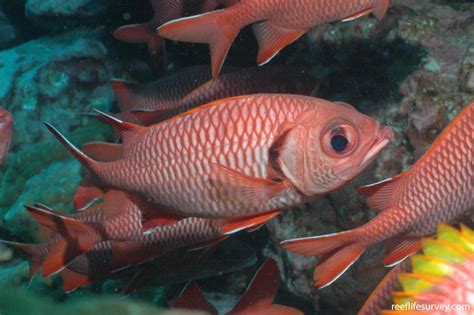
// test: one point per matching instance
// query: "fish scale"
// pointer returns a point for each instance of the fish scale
(109, 256)
(422, 198)
(192, 159)
(289, 13)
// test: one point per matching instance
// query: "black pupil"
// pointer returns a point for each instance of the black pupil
(339, 143)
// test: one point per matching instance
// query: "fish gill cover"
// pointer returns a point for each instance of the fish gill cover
(413, 71)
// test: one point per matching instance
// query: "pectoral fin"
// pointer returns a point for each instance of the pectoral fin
(252, 191)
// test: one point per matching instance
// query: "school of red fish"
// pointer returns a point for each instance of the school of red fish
(207, 152)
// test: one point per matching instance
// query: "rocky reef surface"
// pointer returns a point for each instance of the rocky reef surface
(414, 70)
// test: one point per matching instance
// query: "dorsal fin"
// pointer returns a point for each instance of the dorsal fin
(379, 195)
(128, 130)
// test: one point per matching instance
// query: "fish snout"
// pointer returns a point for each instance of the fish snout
(382, 139)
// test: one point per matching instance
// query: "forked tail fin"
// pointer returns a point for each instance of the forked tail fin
(339, 251)
(33, 253)
(78, 237)
(213, 28)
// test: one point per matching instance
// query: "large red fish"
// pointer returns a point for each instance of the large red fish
(257, 299)
(241, 156)
(233, 82)
(438, 188)
(164, 11)
(276, 23)
(6, 131)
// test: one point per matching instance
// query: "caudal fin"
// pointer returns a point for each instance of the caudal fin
(213, 28)
(261, 292)
(339, 252)
(78, 236)
(33, 253)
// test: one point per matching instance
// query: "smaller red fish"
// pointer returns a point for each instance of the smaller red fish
(6, 131)
(257, 299)
(147, 104)
(276, 24)
(107, 257)
(161, 93)
(164, 11)
(121, 225)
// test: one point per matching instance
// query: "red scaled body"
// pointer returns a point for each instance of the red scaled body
(162, 93)
(243, 155)
(438, 188)
(6, 131)
(233, 82)
(276, 23)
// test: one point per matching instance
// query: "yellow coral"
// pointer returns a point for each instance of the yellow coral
(442, 278)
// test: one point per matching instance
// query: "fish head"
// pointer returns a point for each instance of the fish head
(330, 146)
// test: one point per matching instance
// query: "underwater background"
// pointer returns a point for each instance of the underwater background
(413, 71)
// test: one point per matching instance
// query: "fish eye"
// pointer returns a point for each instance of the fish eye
(340, 139)
(339, 143)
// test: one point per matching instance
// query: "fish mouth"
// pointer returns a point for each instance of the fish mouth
(384, 136)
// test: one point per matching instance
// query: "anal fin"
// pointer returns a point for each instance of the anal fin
(272, 38)
(357, 15)
(73, 280)
(399, 248)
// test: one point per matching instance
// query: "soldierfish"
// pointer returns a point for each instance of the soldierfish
(233, 82)
(241, 156)
(136, 234)
(161, 93)
(257, 299)
(439, 187)
(164, 11)
(192, 233)
(276, 23)
(6, 131)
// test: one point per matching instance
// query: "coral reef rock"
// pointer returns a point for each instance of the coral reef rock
(60, 15)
